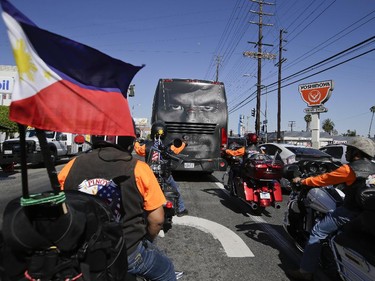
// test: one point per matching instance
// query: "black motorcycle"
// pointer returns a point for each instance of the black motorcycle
(160, 161)
(347, 254)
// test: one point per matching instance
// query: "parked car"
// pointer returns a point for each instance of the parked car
(337, 151)
(290, 153)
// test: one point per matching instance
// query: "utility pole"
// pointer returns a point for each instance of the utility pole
(291, 125)
(217, 68)
(259, 55)
(281, 60)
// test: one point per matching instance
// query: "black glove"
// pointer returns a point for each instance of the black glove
(184, 139)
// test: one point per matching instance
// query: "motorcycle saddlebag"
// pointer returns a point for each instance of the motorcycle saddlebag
(261, 166)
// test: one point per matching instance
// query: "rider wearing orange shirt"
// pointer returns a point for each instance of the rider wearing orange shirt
(158, 134)
(111, 166)
(352, 177)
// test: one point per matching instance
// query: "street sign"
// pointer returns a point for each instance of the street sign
(317, 93)
(315, 109)
(6, 84)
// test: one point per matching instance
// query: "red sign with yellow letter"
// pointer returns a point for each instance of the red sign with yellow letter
(317, 93)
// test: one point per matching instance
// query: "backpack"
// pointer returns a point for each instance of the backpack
(42, 242)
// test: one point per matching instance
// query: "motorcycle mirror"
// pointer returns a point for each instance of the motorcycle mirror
(291, 171)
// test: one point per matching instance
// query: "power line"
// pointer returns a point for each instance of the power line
(308, 69)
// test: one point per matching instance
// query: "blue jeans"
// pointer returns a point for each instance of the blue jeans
(181, 204)
(149, 262)
(328, 225)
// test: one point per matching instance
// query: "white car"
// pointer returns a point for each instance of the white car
(290, 153)
(337, 151)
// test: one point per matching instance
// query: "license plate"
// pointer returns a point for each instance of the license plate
(189, 165)
(265, 195)
(8, 152)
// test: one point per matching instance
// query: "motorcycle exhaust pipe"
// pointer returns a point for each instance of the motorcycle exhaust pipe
(277, 206)
(254, 206)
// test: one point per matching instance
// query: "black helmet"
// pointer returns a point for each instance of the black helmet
(125, 143)
(158, 129)
(252, 138)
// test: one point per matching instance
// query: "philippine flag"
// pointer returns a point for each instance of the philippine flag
(66, 86)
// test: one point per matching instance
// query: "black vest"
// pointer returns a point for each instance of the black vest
(362, 169)
(166, 164)
(113, 164)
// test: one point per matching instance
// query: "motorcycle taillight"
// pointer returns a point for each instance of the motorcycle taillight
(169, 205)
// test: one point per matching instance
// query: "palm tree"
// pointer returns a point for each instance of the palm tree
(308, 121)
(328, 125)
(372, 109)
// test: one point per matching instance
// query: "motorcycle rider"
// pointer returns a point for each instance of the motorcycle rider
(353, 177)
(244, 151)
(251, 140)
(158, 134)
(141, 201)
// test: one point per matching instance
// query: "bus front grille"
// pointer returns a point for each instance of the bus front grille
(191, 128)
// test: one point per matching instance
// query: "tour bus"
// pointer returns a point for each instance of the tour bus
(197, 111)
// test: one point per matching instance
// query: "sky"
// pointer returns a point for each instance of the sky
(323, 40)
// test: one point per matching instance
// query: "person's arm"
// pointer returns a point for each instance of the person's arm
(155, 220)
(237, 152)
(153, 197)
(178, 150)
(140, 149)
(343, 174)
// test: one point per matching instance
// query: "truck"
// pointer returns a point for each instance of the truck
(61, 145)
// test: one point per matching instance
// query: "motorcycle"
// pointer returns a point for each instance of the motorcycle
(160, 161)
(347, 254)
(255, 180)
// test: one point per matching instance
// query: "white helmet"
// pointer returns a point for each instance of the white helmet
(363, 144)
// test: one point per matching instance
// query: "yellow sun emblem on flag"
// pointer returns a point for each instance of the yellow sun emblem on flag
(24, 61)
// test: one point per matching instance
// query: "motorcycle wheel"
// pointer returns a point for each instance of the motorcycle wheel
(230, 186)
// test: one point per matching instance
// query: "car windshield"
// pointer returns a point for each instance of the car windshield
(306, 151)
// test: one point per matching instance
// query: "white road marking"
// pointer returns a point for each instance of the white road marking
(233, 245)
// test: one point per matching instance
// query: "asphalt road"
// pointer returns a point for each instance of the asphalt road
(221, 239)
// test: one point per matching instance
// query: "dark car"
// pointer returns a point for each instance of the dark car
(290, 153)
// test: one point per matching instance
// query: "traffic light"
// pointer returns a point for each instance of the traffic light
(253, 112)
(131, 90)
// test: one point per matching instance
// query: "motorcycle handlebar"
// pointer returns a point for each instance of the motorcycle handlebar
(167, 153)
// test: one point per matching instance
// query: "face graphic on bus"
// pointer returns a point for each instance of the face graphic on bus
(199, 106)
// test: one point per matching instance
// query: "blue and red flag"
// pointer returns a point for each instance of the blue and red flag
(64, 85)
